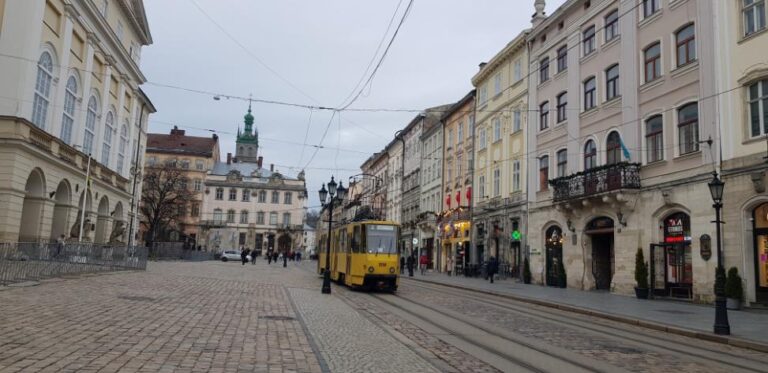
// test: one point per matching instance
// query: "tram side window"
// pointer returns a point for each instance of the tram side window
(356, 239)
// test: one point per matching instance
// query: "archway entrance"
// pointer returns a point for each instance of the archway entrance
(102, 220)
(760, 218)
(554, 254)
(60, 222)
(32, 209)
(600, 231)
(284, 243)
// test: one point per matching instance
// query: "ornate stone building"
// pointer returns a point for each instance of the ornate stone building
(70, 79)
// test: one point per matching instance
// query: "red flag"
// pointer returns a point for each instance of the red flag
(469, 194)
(458, 198)
(448, 201)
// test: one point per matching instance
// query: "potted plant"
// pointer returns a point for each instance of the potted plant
(526, 271)
(734, 292)
(561, 275)
(641, 275)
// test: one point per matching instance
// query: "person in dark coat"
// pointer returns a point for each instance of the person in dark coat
(269, 257)
(402, 264)
(243, 255)
(410, 262)
(493, 267)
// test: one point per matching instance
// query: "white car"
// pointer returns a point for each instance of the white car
(228, 255)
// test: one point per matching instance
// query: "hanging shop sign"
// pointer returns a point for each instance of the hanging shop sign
(677, 228)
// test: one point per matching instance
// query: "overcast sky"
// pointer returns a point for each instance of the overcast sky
(322, 48)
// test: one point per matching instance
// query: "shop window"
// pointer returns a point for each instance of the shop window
(679, 265)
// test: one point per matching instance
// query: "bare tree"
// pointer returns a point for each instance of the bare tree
(312, 217)
(164, 199)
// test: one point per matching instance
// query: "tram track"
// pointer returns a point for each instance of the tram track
(648, 339)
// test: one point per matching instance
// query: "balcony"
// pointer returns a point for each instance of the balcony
(597, 181)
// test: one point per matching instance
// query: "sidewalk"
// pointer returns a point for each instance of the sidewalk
(748, 328)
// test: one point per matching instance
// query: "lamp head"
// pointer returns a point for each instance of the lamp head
(332, 187)
(716, 187)
(323, 194)
(341, 192)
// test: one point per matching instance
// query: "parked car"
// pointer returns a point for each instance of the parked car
(228, 255)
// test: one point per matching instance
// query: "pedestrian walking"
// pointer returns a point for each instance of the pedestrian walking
(449, 266)
(243, 255)
(402, 264)
(493, 267)
(410, 262)
(423, 262)
(269, 257)
(59, 246)
(285, 260)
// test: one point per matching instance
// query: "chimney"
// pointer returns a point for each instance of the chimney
(271, 167)
(482, 64)
(177, 131)
(259, 161)
(539, 16)
(229, 158)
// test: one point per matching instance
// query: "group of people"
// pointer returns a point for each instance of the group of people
(492, 266)
(271, 256)
(410, 263)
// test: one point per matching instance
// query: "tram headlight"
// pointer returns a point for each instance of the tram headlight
(391, 269)
(370, 269)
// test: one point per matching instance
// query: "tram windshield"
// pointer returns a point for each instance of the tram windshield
(381, 239)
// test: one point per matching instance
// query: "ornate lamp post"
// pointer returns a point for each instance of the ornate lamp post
(722, 327)
(336, 194)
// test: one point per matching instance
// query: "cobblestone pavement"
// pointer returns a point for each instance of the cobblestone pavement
(185, 317)
(623, 354)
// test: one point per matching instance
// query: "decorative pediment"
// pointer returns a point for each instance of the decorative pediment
(234, 175)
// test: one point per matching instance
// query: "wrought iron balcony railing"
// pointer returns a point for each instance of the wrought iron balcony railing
(596, 181)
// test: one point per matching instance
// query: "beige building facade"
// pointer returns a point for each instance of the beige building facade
(70, 79)
(620, 160)
(499, 206)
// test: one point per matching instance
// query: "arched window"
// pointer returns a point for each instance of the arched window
(544, 115)
(543, 173)
(106, 149)
(654, 138)
(68, 118)
(217, 216)
(42, 89)
(544, 70)
(590, 155)
(244, 217)
(611, 25)
(686, 45)
(219, 194)
(612, 82)
(588, 40)
(652, 62)
(688, 128)
(273, 218)
(589, 93)
(260, 217)
(613, 148)
(233, 194)
(230, 216)
(562, 103)
(121, 148)
(90, 125)
(562, 162)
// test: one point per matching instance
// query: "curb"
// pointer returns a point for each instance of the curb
(731, 341)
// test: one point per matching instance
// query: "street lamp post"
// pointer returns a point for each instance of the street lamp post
(332, 194)
(722, 327)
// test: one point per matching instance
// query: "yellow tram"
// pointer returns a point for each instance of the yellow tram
(363, 254)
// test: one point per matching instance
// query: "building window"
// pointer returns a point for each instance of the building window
(217, 216)
(562, 162)
(544, 115)
(588, 40)
(516, 176)
(612, 25)
(612, 83)
(246, 195)
(244, 217)
(688, 128)
(562, 111)
(589, 93)
(613, 148)
(42, 90)
(471, 126)
(544, 70)
(654, 138)
(231, 216)
(496, 129)
(90, 125)
(106, 149)
(275, 197)
(122, 147)
(199, 165)
(481, 186)
(590, 155)
(233, 194)
(496, 182)
(262, 196)
(518, 70)
(459, 164)
(460, 133)
(686, 45)
(758, 107)
(183, 183)
(483, 95)
(483, 139)
(198, 185)
(195, 210)
(120, 31)
(288, 198)
(272, 218)
(219, 194)
(650, 7)
(544, 173)
(260, 217)
(653, 62)
(286, 219)
(562, 58)
(754, 16)
(185, 164)
(497, 84)
(450, 138)
(68, 118)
